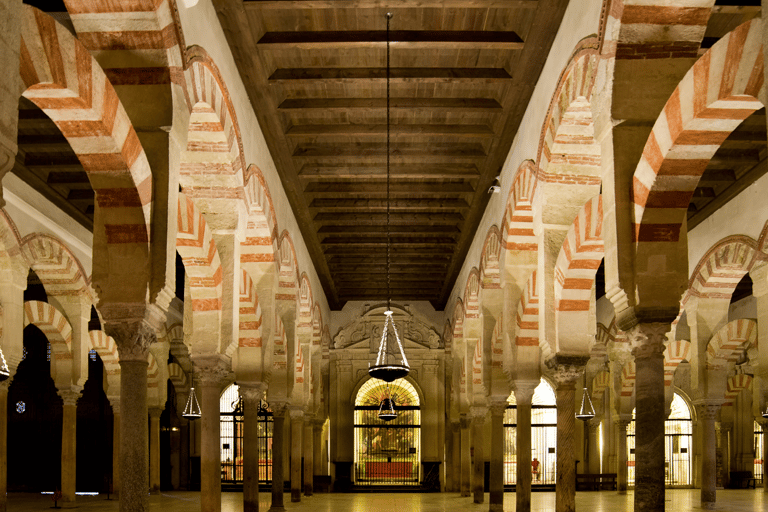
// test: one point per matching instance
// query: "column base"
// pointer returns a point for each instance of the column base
(295, 495)
(276, 509)
(708, 505)
(308, 489)
(496, 507)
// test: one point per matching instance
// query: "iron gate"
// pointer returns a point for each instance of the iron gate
(543, 444)
(759, 470)
(678, 441)
(387, 453)
(232, 439)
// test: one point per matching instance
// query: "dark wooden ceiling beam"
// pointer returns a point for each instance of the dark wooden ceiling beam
(375, 149)
(330, 172)
(423, 205)
(301, 76)
(718, 176)
(379, 131)
(396, 229)
(395, 218)
(410, 39)
(415, 105)
(332, 189)
(439, 250)
(393, 4)
(394, 241)
(65, 178)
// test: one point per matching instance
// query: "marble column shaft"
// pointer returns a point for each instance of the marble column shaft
(621, 448)
(523, 397)
(297, 429)
(465, 455)
(251, 397)
(210, 442)
(309, 453)
(455, 468)
(565, 490)
(478, 463)
(707, 415)
(154, 450)
(647, 341)
(115, 489)
(278, 478)
(68, 447)
(317, 448)
(496, 477)
(134, 463)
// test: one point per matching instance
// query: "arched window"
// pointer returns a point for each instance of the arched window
(231, 428)
(543, 437)
(387, 452)
(678, 440)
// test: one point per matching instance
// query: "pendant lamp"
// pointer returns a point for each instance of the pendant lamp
(192, 409)
(387, 408)
(586, 411)
(386, 367)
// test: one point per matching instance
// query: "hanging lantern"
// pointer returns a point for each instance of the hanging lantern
(192, 409)
(386, 367)
(586, 411)
(4, 371)
(387, 410)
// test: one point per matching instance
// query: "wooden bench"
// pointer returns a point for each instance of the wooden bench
(596, 482)
(744, 480)
(754, 482)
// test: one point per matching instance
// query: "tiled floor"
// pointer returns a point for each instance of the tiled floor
(678, 500)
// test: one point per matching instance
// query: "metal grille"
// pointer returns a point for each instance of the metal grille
(231, 428)
(387, 453)
(543, 444)
(678, 440)
(759, 470)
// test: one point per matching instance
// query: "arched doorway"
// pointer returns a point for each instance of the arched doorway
(758, 470)
(387, 452)
(231, 428)
(543, 437)
(678, 441)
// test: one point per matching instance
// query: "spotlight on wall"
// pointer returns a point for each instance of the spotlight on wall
(496, 187)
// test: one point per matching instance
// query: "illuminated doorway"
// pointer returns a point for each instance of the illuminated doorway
(543, 437)
(759, 471)
(231, 438)
(387, 452)
(678, 440)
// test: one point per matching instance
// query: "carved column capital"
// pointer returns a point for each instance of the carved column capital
(478, 412)
(69, 396)
(251, 392)
(498, 407)
(524, 392)
(133, 339)
(464, 421)
(296, 412)
(567, 369)
(708, 410)
(279, 408)
(647, 339)
(211, 370)
(155, 412)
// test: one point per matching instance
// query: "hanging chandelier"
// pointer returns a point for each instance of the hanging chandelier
(192, 409)
(586, 411)
(387, 367)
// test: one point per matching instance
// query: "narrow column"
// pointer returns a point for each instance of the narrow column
(251, 396)
(4, 445)
(317, 448)
(707, 415)
(210, 376)
(154, 449)
(115, 488)
(456, 459)
(465, 455)
(184, 442)
(647, 341)
(593, 446)
(278, 478)
(478, 464)
(309, 453)
(68, 447)
(621, 455)
(523, 397)
(566, 374)
(297, 428)
(496, 482)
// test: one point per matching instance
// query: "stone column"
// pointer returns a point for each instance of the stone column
(523, 397)
(496, 483)
(567, 370)
(456, 457)
(478, 466)
(309, 454)
(621, 455)
(115, 489)
(297, 428)
(278, 478)
(4, 445)
(317, 448)
(593, 445)
(211, 375)
(707, 416)
(465, 455)
(154, 449)
(647, 342)
(251, 396)
(69, 446)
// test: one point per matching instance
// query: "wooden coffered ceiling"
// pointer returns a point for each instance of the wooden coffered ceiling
(462, 73)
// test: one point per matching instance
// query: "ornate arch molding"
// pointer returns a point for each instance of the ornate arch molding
(59, 270)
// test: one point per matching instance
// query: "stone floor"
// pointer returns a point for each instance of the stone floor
(678, 500)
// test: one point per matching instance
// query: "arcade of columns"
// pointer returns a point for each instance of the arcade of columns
(603, 174)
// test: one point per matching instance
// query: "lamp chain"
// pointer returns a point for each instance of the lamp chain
(389, 291)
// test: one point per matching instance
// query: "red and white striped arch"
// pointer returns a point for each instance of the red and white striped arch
(62, 78)
(477, 365)
(489, 259)
(300, 366)
(58, 269)
(472, 295)
(177, 376)
(734, 386)
(628, 379)
(53, 324)
(250, 313)
(527, 332)
(675, 353)
(517, 228)
(579, 259)
(317, 325)
(10, 245)
(722, 267)
(260, 246)
(279, 347)
(105, 346)
(713, 98)
(731, 341)
(153, 373)
(195, 244)
(305, 304)
(604, 335)
(497, 344)
(599, 384)
(289, 272)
